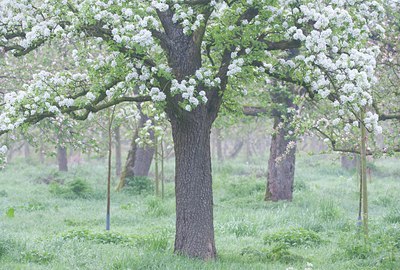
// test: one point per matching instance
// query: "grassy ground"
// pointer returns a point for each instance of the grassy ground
(61, 226)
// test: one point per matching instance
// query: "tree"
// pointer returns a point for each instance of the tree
(281, 163)
(140, 156)
(185, 55)
(282, 154)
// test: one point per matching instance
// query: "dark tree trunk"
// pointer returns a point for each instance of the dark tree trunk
(62, 158)
(281, 166)
(193, 187)
(139, 158)
(143, 159)
(118, 162)
(349, 162)
(191, 134)
(281, 163)
(27, 150)
(236, 149)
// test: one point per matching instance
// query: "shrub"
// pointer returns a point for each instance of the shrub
(294, 237)
(139, 185)
(77, 188)
(281, 253)
(57, 189)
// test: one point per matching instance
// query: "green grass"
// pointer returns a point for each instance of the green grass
(52, 220)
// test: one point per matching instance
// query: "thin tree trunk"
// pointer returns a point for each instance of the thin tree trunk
(62, 158)
(193, 188)
(249, 144)
(118, 162)
(41, 154)
(363, 169)
(27, 150)
(236, 149)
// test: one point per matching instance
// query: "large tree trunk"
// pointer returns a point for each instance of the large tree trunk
(139, 158)
(281, 163)
(191, 134)
(62, 158)
(193, 186)
(281, 166)
(118, 162)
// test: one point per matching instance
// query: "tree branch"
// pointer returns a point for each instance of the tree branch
(254, 111)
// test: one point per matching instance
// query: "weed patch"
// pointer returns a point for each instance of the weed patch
(152, 242)
(294, 237)
(241, 228)
(329, 211)
(278, 253)
(156, 207)
(36, 256)
(393, 216)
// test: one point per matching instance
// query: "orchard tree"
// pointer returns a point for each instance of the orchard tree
(185, 55)
(141, 151)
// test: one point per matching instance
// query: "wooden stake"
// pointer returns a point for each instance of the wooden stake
(363, 158)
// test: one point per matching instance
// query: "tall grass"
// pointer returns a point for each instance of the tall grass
(64, 228)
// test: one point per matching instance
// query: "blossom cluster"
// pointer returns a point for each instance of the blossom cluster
(333, 59)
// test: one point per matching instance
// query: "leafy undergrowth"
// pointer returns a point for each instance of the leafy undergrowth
(293, 237)
(51, 220)
(151, 241)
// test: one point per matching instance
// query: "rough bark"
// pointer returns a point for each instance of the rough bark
(62, 158)
(281, 166)
(193, 188)
(118, 159)
(191, 134)
(139, 158)
(281, 163)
